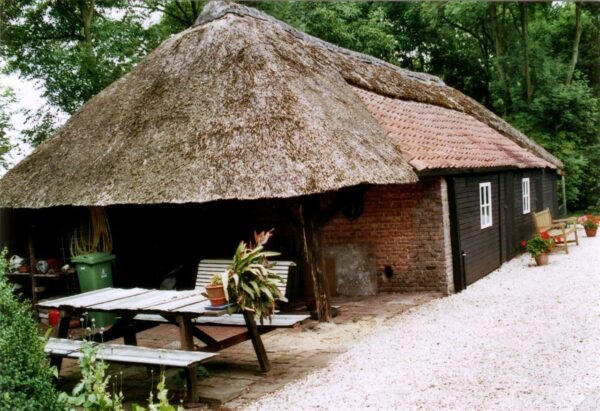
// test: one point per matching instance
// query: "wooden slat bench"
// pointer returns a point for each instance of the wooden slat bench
(203, 326)
(208, 268)
(557, 227)
(128, 354)
(278, 320)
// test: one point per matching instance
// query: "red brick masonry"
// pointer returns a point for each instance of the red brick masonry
(406, 227)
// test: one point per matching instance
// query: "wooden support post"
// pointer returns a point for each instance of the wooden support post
(564, 194)
(32, 278)
(187, 343)
(63, 332)
(129, 337)
(309, 215)
(259, 348)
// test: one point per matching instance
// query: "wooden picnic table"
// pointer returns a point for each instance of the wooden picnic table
(180, 307)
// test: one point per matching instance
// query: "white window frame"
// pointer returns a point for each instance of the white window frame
(485, 204)
(526, 191)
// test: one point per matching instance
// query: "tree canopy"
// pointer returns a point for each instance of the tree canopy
(535, 64)
(6, 98)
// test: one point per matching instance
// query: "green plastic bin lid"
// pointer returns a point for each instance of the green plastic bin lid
(93, 258)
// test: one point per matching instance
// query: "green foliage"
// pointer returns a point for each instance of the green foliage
(75, 48)
(539, 244)
(162, 396)
(449, 40)
(566, 121)
(589, 221)
(216, 279)
(250, 282)
(177, 15)
(25, 373)
(180, 377)
(362, 27)
(42, 124)
(92, 392)
(7, 97)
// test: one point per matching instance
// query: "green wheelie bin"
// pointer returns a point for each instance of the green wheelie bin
(94, 272)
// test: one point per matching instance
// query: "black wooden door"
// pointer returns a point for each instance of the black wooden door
(479, 248)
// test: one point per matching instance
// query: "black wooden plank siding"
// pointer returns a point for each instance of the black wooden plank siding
(522, 226)
(479, 247)
(550, 180)
(481, 251)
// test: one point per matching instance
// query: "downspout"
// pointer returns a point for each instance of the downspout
(564, 192)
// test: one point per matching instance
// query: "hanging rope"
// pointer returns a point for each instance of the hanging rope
(93, 235)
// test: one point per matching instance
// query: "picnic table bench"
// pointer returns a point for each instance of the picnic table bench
(181, 306)
(204, 326)
(127, 354)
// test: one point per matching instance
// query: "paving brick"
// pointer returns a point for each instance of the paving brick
(234, 376)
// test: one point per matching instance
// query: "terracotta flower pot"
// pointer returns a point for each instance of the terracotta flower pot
(542, 259)
(216, 295)
(590, 232)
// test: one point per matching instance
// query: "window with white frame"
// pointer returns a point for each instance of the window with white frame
(526, 195)
(485, 204)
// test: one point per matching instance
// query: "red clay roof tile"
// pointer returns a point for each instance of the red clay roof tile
(433, 137)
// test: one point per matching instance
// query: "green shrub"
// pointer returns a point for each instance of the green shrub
(92, 392)
(25, 373)
(162, 395)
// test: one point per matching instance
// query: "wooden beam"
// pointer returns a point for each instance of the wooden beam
(309, 216)
(259, 348)
(32, 268)
(343, 200)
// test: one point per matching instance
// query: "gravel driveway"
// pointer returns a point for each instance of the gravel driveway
(524, 337)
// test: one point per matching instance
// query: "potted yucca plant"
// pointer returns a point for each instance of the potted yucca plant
(250, 283)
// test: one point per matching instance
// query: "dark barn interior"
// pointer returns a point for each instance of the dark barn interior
(152, 242)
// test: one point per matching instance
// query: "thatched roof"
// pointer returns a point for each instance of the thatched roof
(240, 106)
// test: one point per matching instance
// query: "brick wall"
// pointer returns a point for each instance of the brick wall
(406, 227)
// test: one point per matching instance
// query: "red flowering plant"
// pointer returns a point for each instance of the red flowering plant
(589, 221)
(539, 244)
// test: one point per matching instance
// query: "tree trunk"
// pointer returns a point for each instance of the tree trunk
(526, 59)
(595, 75)
(87, 10)
(575, 51)
(309, 213)
(499, 49)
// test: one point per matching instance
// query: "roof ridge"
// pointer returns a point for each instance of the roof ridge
(217, 9)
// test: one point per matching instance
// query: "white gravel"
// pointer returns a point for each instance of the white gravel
(524, 337)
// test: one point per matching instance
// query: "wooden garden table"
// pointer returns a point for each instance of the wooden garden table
(181, 307)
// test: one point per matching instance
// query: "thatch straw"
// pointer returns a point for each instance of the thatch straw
(240, 106)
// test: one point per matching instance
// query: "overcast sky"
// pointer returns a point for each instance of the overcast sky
(29, 97)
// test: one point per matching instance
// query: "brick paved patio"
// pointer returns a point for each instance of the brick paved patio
(234, 377)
